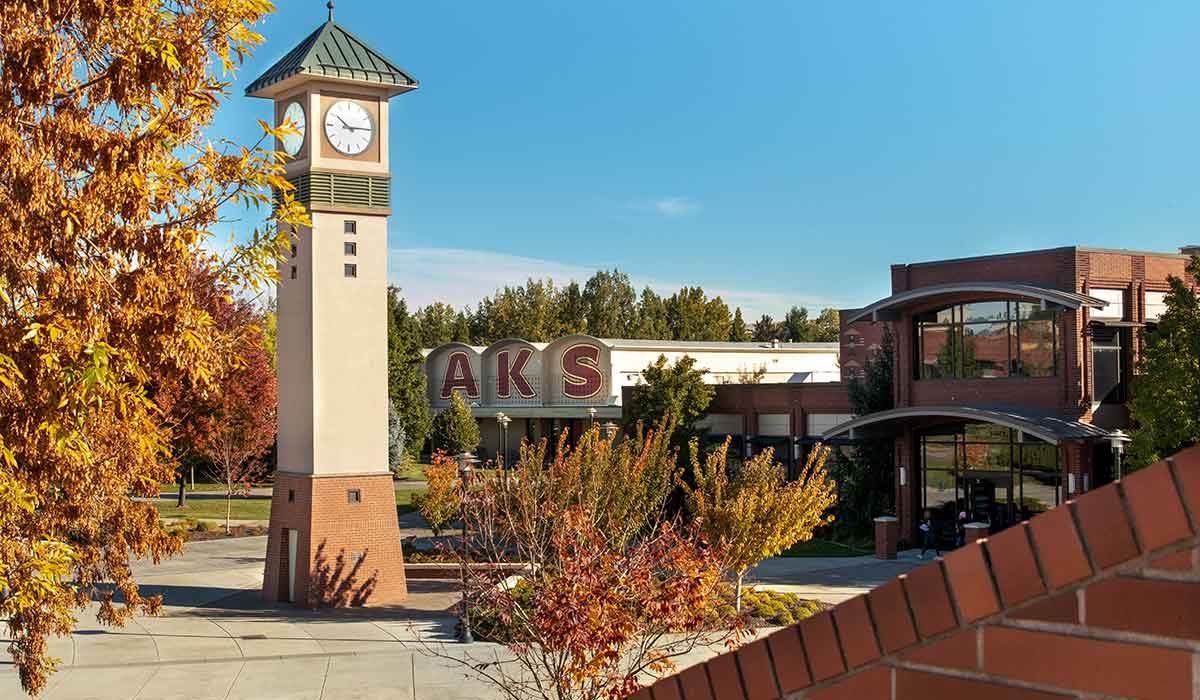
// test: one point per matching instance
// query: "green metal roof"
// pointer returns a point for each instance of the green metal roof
(333, 52)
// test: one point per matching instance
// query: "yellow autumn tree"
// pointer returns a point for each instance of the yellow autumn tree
(109, 192)
(754, 512)
(441, 502)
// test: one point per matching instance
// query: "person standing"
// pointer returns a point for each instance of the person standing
(928, 538)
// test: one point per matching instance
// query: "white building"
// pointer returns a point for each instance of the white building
(543, 388)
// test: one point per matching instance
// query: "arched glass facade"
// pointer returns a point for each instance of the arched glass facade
(993, 473)
(987, 339)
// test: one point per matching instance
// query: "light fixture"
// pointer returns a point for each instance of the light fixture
(1118, 440)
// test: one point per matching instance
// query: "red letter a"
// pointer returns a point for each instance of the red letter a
(459, 376)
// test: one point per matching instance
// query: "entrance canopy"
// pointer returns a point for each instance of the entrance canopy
(1052, 429)
(888, 309)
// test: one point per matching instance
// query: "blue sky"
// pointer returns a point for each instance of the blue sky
(776, 152)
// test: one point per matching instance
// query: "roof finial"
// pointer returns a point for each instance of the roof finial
(330, 6)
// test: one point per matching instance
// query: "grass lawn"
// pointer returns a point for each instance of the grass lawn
(244, 507)
(823, 548)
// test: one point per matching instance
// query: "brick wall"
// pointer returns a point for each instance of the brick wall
(1046, 268)
(1098, 598)
(348, 552)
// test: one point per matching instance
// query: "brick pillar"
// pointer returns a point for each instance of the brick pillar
(347, 541)
(887, 536)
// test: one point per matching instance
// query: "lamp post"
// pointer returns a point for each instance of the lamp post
(465, 460)
(504, 421)
(609, 428)
(592, 417)
(1118, 440)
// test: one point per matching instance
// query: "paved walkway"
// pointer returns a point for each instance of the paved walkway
(217, 639)
(831, 579)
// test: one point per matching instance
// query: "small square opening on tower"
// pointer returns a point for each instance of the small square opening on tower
(354, 496)
(350, 226)
(350, 270)
(350, 248)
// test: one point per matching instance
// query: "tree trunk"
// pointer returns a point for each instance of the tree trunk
(228, 499)
(182, 500)
(738, 591)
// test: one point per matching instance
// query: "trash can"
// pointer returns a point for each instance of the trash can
(887, 535)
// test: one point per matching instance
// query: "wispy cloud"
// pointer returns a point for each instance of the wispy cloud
(676, 206)
(462, 277)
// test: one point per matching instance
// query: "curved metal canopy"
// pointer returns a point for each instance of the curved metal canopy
(1070, 300)
(1052, 429)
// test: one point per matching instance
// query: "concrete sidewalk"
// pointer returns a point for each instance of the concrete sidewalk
(829, 579)
(218, 639)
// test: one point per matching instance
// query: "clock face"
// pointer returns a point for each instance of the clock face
(348, 127)
(292, 142)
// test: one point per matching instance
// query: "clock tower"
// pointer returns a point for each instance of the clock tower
(334, 538)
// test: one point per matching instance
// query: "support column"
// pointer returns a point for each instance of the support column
(347, 549)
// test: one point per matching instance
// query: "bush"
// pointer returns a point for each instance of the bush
(772, 608)
(442, 501)
(455, 429)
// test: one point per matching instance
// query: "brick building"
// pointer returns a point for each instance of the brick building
(788, 418)
(1012, 371)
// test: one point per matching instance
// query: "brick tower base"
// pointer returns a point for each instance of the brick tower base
(346, 541)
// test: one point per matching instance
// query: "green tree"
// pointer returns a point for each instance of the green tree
(827, 327)
(756, 513)
(611, 305)
(796, 325)
(652, 321)
(1166, 389)
(454, 428)
(766, 329)
(691, 315)
(738, 331)
(675, 393)
(572, 310)
(864, 473)
(436, 324)
(406, 375)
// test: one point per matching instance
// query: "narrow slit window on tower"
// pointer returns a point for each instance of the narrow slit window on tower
(293, 250)
(351, 226)
(351, 248)
(293, 272)
(350, 270)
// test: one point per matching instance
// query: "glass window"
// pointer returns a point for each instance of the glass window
(350, 248)
(1156, 305)
(986, 432)
(987, 457)
(1115, 309)
(937, 352)
(984, 340)
(350, 270)
(985, 349)
(350, 226)
(1106, 365)
(940, 488)
(1039, 478)
(985, 311)
(1036, 351)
